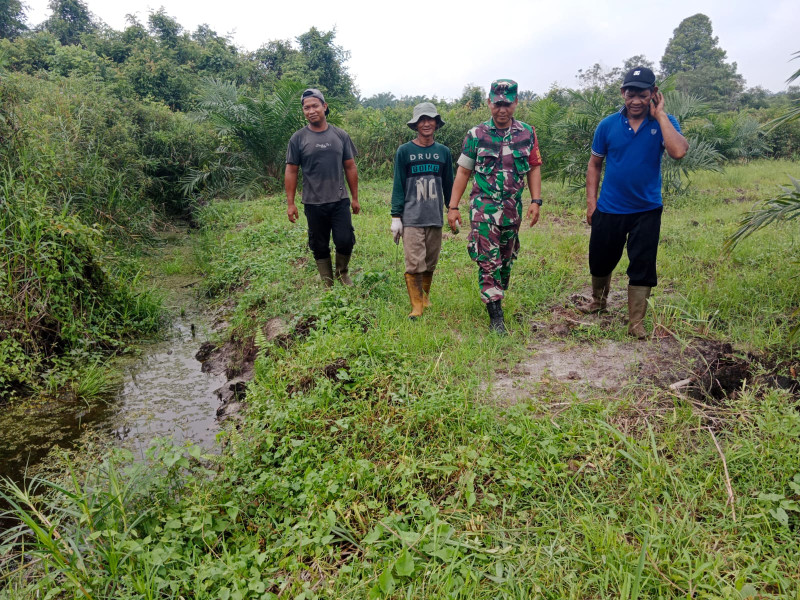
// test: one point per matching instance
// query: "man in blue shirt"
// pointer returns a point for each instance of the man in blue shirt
(629, 207)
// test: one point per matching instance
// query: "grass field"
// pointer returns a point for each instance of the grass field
(385, 458)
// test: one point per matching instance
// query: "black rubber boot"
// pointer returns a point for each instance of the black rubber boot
(600, 288)
(496, 322)
(325, 269)
(637, 308)
(342, 268)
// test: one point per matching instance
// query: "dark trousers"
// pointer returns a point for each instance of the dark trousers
(326, 219)
(610, 232)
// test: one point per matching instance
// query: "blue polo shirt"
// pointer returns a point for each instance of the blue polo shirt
(632, 181)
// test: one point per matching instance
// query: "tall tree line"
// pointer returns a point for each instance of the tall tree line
(158, 59)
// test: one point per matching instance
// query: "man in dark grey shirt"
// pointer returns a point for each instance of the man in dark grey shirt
(326, 155)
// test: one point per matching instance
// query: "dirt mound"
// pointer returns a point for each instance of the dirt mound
(704, 369)
(561, 358)
(301, 330)
(306, 382)
(330, 370)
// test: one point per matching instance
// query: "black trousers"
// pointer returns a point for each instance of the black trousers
(610, 233)
(326, 219)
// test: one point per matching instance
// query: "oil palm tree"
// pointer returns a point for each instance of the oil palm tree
(784, 207)
(254, 133)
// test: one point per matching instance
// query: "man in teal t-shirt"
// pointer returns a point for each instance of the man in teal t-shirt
(423, 181)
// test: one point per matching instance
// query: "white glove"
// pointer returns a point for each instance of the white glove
(397, 229)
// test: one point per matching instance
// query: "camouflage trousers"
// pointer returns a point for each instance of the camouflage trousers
(494, 248)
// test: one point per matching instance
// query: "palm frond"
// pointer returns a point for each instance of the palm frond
(738, 136)
(684, 106)
(702, 156)
(783, 208)
(256, 131)
(593, 104)
(796, 74)
(792, 114)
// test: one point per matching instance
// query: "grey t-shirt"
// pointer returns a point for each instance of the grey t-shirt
(321, 155)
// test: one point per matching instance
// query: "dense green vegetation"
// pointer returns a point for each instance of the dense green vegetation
(97, 152)
(378, 457)
(80, 168)
(378, 460)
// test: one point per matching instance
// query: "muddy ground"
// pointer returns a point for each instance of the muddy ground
(564, 359)
(235, 358)
(563, 356)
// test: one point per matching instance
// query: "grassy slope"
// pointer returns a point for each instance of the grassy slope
(402, 446)
(372, 462)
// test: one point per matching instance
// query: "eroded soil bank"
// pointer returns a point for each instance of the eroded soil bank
(564, 360)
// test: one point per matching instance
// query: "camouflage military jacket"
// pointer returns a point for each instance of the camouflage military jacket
(501, 162)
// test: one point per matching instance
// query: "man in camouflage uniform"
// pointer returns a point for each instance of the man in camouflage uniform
(503, 153)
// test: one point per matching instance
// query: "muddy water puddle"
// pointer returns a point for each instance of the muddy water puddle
(164, 394)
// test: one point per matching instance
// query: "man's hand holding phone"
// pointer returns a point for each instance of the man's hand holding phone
(657, 107)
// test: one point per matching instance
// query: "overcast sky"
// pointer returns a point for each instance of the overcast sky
(436, 48)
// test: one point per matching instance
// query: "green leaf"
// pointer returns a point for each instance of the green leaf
(386, 581)
(233, 511)
(373, 536)
(404, 566)
(781, 516)
(748, 591)
(470, 497)
(771, 497)
(790, 505)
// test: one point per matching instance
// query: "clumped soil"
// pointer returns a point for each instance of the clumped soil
(307, 381)
(561, 358)
(236, 358)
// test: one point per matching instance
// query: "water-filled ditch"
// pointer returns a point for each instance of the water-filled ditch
(164, 394)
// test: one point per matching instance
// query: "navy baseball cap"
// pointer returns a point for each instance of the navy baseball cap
(639, 77)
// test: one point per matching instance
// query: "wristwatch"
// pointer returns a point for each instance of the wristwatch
(536, 201)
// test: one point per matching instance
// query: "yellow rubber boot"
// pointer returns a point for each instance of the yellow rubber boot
(414, 285)
(427, 278)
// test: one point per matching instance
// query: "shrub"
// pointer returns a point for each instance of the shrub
(66, 294)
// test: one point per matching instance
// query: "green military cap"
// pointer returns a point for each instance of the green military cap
(503, 90)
